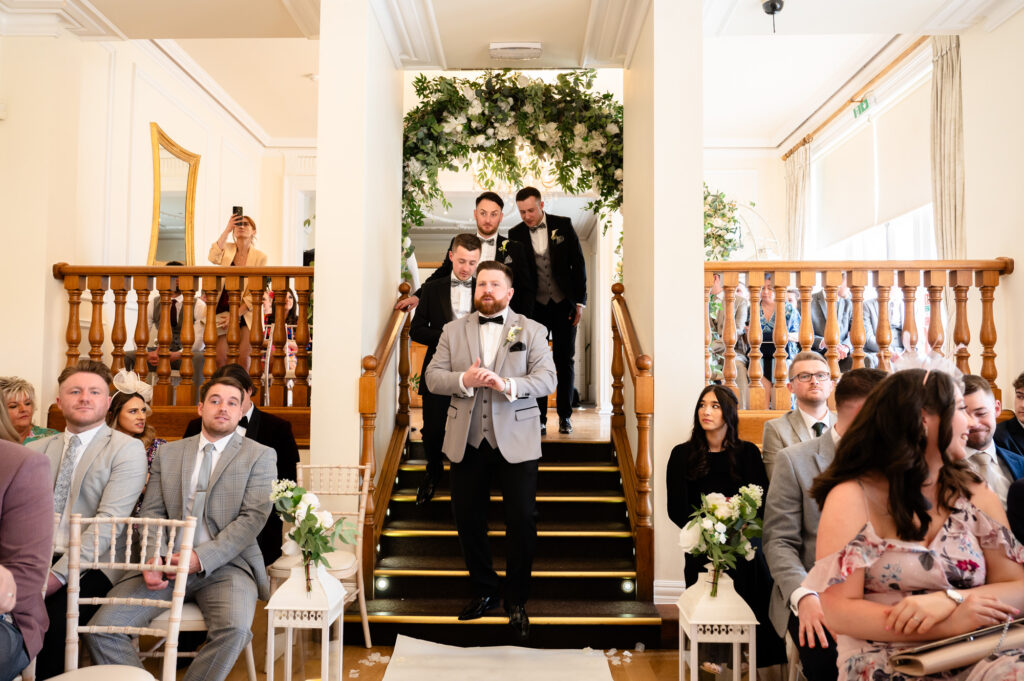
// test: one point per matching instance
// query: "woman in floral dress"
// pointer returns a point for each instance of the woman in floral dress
(912, 545)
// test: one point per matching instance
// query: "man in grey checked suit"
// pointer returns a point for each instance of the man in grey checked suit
(95, 471)
(811, 384)
(224, 480)
(494, 363)
(791, 530)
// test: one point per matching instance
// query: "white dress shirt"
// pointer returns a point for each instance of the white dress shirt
(462, 299)
(202, 534)
(60, 542)
(240, 429)
(491, 338)
(810, 420)
(987, 464)
(487, 250)
(539, 236)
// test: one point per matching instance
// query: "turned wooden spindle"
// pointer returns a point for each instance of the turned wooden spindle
(857, 280)
(73, 334)
(97, 289)
(728, 331)
(211, 289)
(233, 285)
(935, 280)
(805, 281)
(987, 282)
(831, 280)
(143, 285)
(257, 286)
(780, 337)
(402, 417)
(618, 366)
(961, 280)
(303, 293)
(709, 280)
(755, 370)
(186, 369)
(644, 462)
(119, 284)
(164, 335)
(366, 458)
(909, 280)
(278, 389)
(883, 335)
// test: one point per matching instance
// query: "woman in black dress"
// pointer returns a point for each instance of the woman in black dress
(714, 459)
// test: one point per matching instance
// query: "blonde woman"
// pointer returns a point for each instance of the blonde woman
(20, 399)
(238, 253)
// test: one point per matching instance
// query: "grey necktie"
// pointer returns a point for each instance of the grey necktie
(199, 502)
(989, 471)
(819, 428)
(67, 470)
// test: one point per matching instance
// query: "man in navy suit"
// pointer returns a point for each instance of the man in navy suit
(1010, 433)
(997, 466)
(560, 286)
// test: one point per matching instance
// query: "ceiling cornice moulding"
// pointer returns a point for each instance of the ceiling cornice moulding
(411, 33)
(50, 17)
(306, 15)
(613, 28)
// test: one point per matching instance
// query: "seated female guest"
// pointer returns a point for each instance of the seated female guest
(714, 459)
(912, 545)
(768, 315)
(239, 253)
(20, 398)
(129, 413)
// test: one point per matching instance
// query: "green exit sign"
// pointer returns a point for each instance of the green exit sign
(862, 106)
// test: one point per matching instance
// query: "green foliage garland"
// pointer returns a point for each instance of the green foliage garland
(721, 226)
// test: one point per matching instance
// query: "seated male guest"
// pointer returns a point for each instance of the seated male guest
(811, 384)
(25, 552)
(224, 481)
(176, 317)
(442, 301)
(1010, 433)
(1015, 509)
(791, 530)
(95, 471)
(997, 466)
(266, 429)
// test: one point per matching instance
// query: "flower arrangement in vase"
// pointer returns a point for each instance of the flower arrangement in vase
(721, 529)
(315, 529)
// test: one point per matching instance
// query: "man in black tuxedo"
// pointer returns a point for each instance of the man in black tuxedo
(266, 429)
(493, 246)
(560, 282)
(441, 301)
(1010, 433)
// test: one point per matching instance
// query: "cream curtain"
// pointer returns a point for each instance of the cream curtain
(798, 179)
(948, 159)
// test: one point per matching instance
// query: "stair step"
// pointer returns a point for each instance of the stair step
(431, 528)
(420, 466)
(541, 612)
(453, 565)
(596, 497)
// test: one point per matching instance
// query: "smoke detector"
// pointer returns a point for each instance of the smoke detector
(516, 50)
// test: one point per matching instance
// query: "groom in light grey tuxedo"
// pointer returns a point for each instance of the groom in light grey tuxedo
(224, 480)
(494, 363)
(791, 530)
(95, 471)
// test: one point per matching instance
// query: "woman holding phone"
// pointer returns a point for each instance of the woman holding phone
(238, 253)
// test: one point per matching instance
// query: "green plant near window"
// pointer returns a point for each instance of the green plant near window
(721, 226)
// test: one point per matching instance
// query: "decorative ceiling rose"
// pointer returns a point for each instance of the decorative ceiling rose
(520, 51)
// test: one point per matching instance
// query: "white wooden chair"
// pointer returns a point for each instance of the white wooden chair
(146, 552)
(352, 484)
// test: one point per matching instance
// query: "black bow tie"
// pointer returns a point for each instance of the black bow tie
(500, 319)
(468, 283)
(489, 242)
(244, 422)
(541, 225)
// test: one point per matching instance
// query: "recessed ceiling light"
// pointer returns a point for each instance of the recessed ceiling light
(516, 50)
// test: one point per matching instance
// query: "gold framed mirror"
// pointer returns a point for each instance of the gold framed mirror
(175, 173)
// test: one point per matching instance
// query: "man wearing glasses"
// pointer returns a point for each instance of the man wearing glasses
(811, 384)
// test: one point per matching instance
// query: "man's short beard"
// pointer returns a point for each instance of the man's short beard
(490, 308)
(981, 442)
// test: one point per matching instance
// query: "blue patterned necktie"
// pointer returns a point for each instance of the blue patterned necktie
(67, 470)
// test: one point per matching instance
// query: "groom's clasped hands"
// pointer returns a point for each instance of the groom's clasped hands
(478, 376)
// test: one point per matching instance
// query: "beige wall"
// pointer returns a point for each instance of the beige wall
(994, 175)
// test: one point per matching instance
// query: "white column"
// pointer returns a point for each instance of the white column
(359, 192)
(663, 227)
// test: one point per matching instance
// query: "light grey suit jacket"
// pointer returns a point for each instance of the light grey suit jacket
(517, 423)
(237, 503)
(107, 482)
(785, 431)
(791, 521)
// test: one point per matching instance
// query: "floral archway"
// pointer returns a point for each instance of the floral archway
(507, 127)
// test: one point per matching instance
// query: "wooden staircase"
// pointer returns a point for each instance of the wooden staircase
(584, 572)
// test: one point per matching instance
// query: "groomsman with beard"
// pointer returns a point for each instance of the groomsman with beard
(494, 363)
(493, 246)
(561, 290)
(442, 300)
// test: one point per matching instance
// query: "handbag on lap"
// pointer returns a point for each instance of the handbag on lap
(959, 651)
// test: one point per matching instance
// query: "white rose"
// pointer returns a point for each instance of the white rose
(325, 518)
(690, 537)
(611, 129)
(618, 174)
(528, 108)
(522, 80)
(707, 523)
(290, 547)
(750, 551)
(309, 499)
(720, 527)
(476, 107)
(579, 129)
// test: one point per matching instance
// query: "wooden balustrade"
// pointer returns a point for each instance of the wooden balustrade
(895, 284)
(196, 284)
(636, 472)
(374, 369)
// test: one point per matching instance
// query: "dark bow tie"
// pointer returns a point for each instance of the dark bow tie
(500, 319)
(244, 422)
(468, 283)
(489, 242)
(540, 226)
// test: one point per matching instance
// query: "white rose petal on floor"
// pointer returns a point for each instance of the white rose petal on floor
(415, 660)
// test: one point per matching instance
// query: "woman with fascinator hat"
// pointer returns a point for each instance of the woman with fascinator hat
(129, 413)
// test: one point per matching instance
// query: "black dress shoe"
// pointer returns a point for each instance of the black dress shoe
(543, 429)
(519, 621)
(564, 425)
(426, 491)
(477, 607)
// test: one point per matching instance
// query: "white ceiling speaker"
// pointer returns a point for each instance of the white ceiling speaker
(516, 50)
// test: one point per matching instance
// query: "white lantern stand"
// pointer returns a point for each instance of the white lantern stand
(726, 618)
(292, 607)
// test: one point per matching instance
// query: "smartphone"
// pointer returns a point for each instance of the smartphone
(236, 211)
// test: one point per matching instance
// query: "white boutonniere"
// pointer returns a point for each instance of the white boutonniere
(513, 333)
(554, 237)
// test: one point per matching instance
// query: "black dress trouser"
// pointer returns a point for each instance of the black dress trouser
(471, 492)
(819, 664)
(435, 416)
(558, 318)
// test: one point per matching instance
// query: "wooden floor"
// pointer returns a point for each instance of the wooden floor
(588, 425)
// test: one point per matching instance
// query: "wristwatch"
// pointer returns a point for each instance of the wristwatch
(955, 596)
